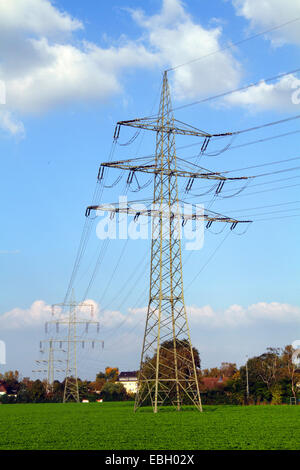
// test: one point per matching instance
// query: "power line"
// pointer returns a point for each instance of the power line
(209, 259)
(86, 231)
(270, 205)
(278, 218)
(268, 124)
(271, 189)
(233, 147)
(192, 195)
(265, 164)
(243, 88)
(284, 170)
(262, 33)
(272, 212)
(276, 162)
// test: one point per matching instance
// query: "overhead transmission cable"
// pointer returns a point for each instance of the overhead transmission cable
(237, 43)
(236, 90)
(233, 147)
(104, 248)
(86, 231)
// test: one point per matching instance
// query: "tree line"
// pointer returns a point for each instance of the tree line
(268, 378)
(271, 377)
(24, 390)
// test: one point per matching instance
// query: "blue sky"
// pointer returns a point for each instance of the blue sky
(72, 70)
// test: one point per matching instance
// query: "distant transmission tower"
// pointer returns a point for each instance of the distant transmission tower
(75, 327)
(51, 364)
(168, 371)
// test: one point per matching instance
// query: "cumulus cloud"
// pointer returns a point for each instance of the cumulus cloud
(267, 14)
(282, 95)
(36, 315)
(39, 313)
(43, 67)
(238, 316)
(35, 16)
(71, 74)
(177, 39)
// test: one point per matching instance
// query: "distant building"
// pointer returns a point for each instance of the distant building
(213, 383)
(3, 389)
(129, 380)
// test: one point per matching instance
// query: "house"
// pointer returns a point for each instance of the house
(3, 389)
(129, 380)
(213, 383)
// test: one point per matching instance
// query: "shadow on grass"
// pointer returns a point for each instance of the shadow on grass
(172, 409)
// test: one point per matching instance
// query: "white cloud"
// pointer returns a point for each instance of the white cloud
(35, 16)
(10, 125)
(71, 74)
(177, 39)
(36, 315)
(43, 67)
(238, 316)
(266, 14)
(233, 316)
(274, 311)
(282, 95)
(39, 313)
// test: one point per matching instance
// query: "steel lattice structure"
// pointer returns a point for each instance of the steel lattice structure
(173, 370)
(72, 322)
(168, 367)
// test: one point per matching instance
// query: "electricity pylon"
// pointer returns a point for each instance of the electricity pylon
(71, 390)
(51, 363)
(74, 337)
(168, 369)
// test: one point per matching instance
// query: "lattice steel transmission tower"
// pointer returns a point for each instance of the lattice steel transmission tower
(52, 365)
(74, 337)
(168, 369)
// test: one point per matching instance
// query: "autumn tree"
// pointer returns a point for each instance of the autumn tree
(111, 374)
(228, 369)
(11, 381)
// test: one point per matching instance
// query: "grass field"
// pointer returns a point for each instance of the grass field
(114, 426)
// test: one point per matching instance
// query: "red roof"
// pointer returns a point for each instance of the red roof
(212, 383)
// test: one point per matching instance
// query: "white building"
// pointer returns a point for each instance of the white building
(129, 380)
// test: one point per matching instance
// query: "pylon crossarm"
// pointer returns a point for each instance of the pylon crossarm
(156, 170)
(160, 213)
(62, 322)
(76, 340)
(168, 126)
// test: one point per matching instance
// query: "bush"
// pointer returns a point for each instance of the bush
(113, 392)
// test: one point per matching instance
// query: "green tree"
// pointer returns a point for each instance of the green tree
(38, 392)
(113, 391)
(167, 367)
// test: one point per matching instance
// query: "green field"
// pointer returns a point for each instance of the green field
(114, 426)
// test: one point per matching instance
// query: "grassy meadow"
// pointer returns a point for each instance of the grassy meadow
(114, 426)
